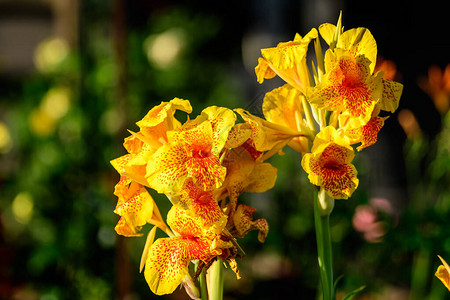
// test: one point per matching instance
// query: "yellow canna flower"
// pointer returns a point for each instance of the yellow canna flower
(192, 151)
(152, 135)
(168, 258)
(283, 106)
(243, 222)
(134, 205)
(329, 164)
(366, 134)
(347, 86)
(287, 60)
(202, 205)
(268, 136)
(358, 41)
(443, 273)
(245, 173)
(160, 119)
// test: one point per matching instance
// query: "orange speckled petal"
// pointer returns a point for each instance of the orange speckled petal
(222, 119)
(189, 153)
(238, 135)
(203, 206)
(332, 170)
(348, 86)
(168, 260)
(369, 132)
(287, 55)
(359, 41)
(120, 163)
(243, 222)
(391, 95)
(444, 276)
(123, 228)
(182, 222)
(443, 273)
(165, 171)
(263, 70)
(136, 206)
(166, 266)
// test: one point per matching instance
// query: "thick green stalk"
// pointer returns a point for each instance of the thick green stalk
(203, 287)
(215, 281)
(324, 250)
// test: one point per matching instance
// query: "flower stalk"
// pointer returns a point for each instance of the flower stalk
(215, 280)
(324, 248)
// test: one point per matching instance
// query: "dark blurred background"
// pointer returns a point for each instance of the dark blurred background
(75, 74)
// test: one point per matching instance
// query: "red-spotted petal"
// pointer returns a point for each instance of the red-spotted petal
(391, 95)
(243, 222)
(123, 228)
(188, 154)
(347, 86)
(169, 258)
(331, 169)
(135, 204)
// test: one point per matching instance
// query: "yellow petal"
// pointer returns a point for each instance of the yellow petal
(287, 55)
(443, 273)
(148, 242)
(190, 153)
(238, 135)
(329, 164)
(222, 120)
(359, 41)
(123, 228)
(166, 266)
(243, 222)
(282, 105)
(262, 178)
(391, 95)
(327, 31)
(347, 86)
(263, 70)
(163, 113)
(267, 136)
(136, 206)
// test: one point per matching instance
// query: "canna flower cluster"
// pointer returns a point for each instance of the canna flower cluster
(341, 102)
(202, 166)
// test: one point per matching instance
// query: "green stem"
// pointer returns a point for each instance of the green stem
(215, 282)
(203, 287)
(324, 250)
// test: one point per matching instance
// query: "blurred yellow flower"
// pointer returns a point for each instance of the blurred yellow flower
(437, 85)
(443, 273)
(5, 139)
(50, 53)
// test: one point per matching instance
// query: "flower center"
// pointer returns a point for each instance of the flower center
(351, 74)
(200, 152)
(332, 165)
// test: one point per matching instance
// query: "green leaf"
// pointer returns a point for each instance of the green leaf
(354, 292)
